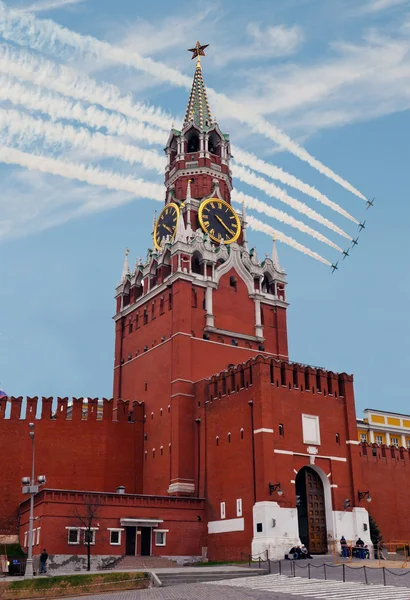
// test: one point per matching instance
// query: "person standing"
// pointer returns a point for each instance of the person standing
(43, 561)
(343, 545)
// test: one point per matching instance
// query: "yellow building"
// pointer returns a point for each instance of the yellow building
(381, 427)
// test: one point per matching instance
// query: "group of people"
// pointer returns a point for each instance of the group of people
(298, 552)
(359, 550)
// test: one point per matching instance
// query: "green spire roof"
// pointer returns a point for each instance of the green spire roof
(198, 110)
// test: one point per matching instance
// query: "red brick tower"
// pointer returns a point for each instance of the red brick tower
(201, 301)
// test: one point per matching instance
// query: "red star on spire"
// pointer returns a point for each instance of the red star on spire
(198, 50)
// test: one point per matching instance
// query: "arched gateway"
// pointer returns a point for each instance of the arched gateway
(311, 510)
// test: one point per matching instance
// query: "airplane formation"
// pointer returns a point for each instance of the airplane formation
(354, 242)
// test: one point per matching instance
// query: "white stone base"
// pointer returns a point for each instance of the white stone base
(181, 487)
(280, 529)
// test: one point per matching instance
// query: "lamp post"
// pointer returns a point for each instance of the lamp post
(31, 487)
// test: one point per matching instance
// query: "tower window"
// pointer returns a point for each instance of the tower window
(232, 282)
(145, 316)
(193, 142)
(130, 326)
(229, 438)
(281, 429)
(170, 301)
(242, 432)
(217, 440)
(337, 438)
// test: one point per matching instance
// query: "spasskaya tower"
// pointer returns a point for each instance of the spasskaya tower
(201, 302)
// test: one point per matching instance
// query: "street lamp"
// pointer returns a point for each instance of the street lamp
(31, 487)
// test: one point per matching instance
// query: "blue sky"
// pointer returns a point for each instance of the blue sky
(333, 75)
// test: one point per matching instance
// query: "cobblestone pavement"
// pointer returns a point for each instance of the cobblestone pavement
(354, 572)
(316, 588)
(269, 587)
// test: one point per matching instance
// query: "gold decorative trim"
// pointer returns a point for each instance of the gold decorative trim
(174, 205)
(201, 220)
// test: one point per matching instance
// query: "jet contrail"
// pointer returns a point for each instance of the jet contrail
(138, 187)
(68, 82)
(257, 225)
(77, 171)
(279, 215)
(47, 36)
(24, 129)
(276, 192)
(57, 107)
(250, 160)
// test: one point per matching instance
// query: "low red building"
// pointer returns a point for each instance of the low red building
(223, 445)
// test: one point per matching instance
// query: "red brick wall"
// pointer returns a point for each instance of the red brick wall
(229, 465)
(56, 510)
(82, 455)
(387, 478)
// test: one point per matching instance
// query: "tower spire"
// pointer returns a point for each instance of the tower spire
(275, 257)
(198, 110)
(126, 267)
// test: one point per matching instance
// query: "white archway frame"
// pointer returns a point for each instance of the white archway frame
(327, 490)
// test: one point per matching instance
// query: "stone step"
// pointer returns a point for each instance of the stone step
(168, 579)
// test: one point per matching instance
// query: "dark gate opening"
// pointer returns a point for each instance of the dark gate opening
(310, 501)
(145, 541)
(130, 538)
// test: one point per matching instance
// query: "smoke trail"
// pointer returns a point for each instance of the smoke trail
(47, 36)
(276, 192)
(257, 225)
(139, 187)
(68, 82)
(279, 215)
(56, 107)
(250, 160)
(24, 129)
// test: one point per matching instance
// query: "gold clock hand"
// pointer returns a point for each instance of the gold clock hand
(168, 229)
(225, 226)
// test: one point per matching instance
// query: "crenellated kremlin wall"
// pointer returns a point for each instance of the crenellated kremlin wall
(90, 448)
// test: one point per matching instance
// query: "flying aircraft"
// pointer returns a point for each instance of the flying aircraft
(345, 253)
(362, 225)
(370, 203)
(354, 242)
(334, 267)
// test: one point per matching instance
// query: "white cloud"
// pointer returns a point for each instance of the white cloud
(271, 41)
(375, 6)
(359, 81)
(48, 5)
(150, 38)
(32, 202)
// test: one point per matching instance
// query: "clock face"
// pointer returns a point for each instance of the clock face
(166, 224)
(219, 220)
